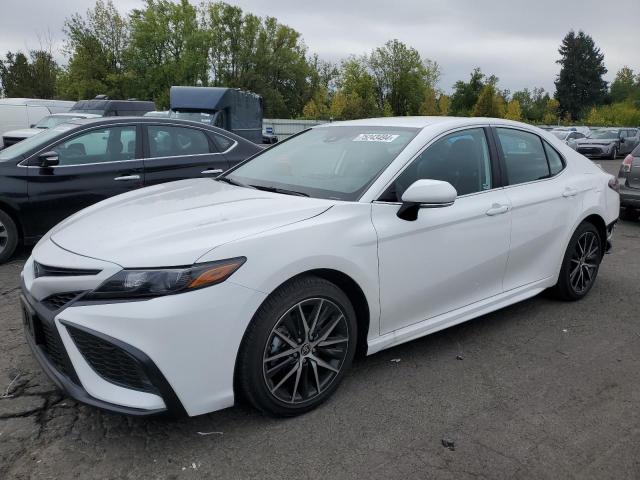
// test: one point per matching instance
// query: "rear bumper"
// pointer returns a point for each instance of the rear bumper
(629, 197)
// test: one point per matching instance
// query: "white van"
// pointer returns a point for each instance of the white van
(16, 113)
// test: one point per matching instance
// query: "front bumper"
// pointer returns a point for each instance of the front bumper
(185, 345)
(595, 151)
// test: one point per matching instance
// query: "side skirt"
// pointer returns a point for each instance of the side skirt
(449, 319)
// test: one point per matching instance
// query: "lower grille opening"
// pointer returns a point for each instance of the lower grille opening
(111, 362)
(59, 300)
(49, 340)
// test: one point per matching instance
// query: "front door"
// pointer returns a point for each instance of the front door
(93, 165)
(448, 257)
(177, 152)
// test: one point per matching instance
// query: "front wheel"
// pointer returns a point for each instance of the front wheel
(297, 348)
(580, 264)
(614, 153)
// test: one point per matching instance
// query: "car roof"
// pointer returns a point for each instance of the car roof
(422, 122)
(154, 121)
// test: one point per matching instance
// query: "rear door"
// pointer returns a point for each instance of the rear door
(545, 202)
(93, 165)
(175, 152)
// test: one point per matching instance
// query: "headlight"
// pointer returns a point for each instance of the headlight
(165, 281)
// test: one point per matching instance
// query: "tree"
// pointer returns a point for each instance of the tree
(167, 48)
(96, 44)
(400, 77)
(490, 103)
(513, 111)
(551, 112)
(33, 77)
(359, 87)
(626, 86)
(579, 84)
(444, 104)
(465, 94)
(429, 104)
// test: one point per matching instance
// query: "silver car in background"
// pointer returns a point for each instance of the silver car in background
(609, 142)
(569, 137)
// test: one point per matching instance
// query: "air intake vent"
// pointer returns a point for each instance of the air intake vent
(59, 300)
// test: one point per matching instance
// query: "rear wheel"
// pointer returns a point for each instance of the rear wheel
(614, 153)
(581, 263)
(298, 347)
(8, 237)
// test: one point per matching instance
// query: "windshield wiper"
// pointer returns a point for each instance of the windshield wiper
(231, 181)
(279, 190)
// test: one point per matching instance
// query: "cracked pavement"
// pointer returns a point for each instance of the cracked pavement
(541, 389)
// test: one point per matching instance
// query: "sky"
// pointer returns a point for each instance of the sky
(516, 40)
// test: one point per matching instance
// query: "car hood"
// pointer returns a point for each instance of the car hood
(176, 223)
(22, 133)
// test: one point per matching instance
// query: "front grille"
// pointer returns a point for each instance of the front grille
(8, 141)
(51, 343)
(59, 300)
(111, 362)
(41, 270)
(590, 150)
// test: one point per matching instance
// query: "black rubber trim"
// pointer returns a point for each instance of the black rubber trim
(158, 380)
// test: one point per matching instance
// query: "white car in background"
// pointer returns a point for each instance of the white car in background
(14, 136)
(264, 282)
(569, 137)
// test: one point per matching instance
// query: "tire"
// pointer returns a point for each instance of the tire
(614, 153)
(580, 264)
(313, 363)
(8, 237)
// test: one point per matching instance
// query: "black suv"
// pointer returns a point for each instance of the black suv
(59, 171)
(629, 179)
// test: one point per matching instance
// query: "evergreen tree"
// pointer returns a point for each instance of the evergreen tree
(580, 84)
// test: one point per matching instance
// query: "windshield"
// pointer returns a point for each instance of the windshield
(337, 162)
(560, 134)
(24, 146)
(605, 134)
(53, 120)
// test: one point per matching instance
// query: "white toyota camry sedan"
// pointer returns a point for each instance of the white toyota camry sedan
(350, 237)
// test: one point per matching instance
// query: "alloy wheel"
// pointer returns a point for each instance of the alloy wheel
(305, 350)
(4, 236)
(584, 262)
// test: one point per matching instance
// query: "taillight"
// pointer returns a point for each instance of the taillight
(626, 163)
(614, 184)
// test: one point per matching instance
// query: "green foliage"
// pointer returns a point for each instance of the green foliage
(532, 104)
(33, 77)
(514, 112)
(624, 114)
(490, 103)
(401, 76)
(465, 94)
(552, 112)
(580, 84)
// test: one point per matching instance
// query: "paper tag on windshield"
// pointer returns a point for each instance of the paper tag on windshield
(375, 137)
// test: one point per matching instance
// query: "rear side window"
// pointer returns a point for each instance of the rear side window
(524, 156)
(224, 143)
(555, 160)
(168, 141)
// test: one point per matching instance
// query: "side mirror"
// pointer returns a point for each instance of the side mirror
(49, 159)
(33, 125)
(426, 194)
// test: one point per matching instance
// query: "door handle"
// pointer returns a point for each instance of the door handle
(127, 178)
(569, 192)
(212, 171)
(497, 209)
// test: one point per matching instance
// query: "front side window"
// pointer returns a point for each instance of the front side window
(524, 156)
(461, 158)
(97, 146)
(336, 162)
(168, 141)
